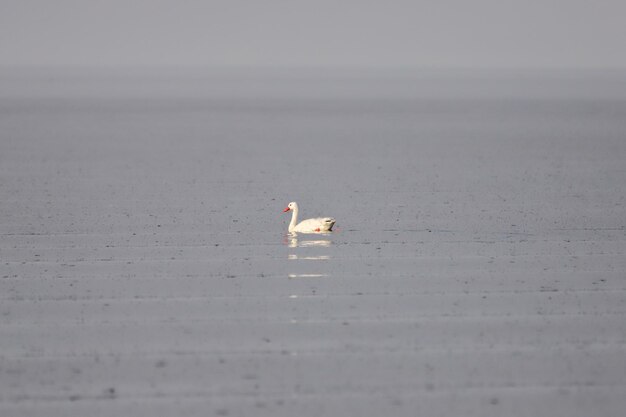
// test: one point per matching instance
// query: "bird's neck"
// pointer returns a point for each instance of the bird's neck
(294, 219)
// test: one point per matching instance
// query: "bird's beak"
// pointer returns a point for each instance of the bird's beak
(286, 209)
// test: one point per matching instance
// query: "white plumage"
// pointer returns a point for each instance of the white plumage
(315, 225)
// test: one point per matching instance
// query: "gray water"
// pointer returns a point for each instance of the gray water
(476, 268)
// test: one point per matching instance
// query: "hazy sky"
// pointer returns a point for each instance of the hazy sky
(277, 33)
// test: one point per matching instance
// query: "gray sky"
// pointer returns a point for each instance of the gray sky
(318, 33)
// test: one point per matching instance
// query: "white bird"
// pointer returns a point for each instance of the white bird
(318, 224)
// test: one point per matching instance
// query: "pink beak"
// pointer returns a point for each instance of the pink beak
(286, 209)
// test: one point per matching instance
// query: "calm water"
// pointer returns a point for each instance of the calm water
(480, 229)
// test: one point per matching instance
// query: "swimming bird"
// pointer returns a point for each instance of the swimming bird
(318, 224)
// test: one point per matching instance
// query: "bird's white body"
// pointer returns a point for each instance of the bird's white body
(315, 225)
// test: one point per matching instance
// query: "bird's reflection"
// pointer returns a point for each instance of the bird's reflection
(304, 248)
(310, 258)
(294, 242)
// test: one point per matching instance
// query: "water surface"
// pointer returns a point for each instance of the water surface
(476, 267)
